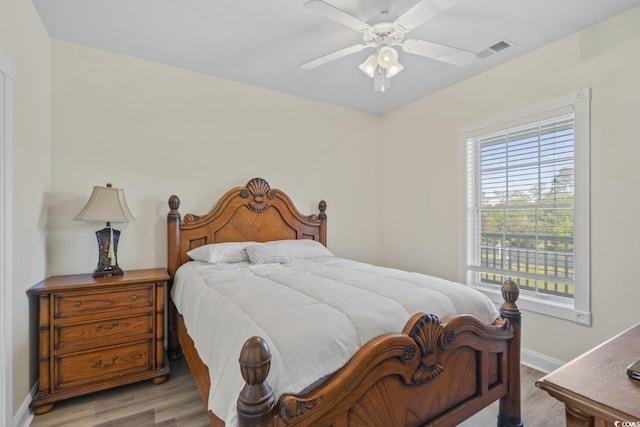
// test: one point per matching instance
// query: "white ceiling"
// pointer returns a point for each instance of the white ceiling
(263, 42)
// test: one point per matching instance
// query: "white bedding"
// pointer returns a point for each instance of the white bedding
(319, 310)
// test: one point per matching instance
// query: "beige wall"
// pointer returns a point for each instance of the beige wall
(156, 131)
(24, 41)
(421, 172)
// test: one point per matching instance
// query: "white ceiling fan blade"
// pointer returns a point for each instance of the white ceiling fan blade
(440, 52)
(420, 13)
(332, 56)
(338, 15)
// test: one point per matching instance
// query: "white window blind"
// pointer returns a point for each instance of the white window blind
(522, 194)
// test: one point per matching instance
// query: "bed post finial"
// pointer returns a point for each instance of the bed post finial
(322, 207)
(509, 414)
(256, 403)
(174, 205)
(510, 294)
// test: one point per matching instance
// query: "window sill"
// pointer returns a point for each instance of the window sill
(540, 305)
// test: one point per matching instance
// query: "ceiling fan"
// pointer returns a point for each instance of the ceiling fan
(385, 35)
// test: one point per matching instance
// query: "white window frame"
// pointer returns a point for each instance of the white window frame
(579, 310)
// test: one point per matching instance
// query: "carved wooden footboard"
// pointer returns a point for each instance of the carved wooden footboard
(436, 372)
(433, 373)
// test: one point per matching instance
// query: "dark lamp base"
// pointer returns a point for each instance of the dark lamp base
(107, 259)
(107, 271)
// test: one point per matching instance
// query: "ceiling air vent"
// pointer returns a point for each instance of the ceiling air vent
(498, 47)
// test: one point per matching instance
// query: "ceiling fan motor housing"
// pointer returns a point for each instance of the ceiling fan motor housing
(383, 33)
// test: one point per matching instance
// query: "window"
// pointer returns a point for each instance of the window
(527, 208)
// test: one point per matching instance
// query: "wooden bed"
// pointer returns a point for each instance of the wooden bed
(435, 372)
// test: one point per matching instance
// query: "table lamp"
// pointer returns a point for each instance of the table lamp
(106, 204)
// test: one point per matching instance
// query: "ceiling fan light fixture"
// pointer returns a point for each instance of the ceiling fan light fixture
(387, 36)
(369, 66)
(387, 57)
(394, 69)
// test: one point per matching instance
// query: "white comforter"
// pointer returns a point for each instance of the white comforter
(319, 311)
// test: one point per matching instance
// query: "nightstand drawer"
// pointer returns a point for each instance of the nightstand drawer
(67, 305)
(116, 330)
(81, 368)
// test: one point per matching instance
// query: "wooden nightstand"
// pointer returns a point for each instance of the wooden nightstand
(99, 333)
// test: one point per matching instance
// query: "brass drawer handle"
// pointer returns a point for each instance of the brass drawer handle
(77, 303)
(134, 297)
(98, 363)
(106, 328)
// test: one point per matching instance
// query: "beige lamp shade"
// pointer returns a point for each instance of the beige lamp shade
(106, 204)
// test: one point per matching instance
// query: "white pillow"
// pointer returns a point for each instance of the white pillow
(215, 253)
(267, 254)
(302, 248)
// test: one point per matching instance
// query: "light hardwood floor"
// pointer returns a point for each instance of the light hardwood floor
(176, 403)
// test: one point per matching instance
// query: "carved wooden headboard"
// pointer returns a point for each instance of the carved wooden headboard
(255, 212)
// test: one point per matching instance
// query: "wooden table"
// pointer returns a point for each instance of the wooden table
(595, 387)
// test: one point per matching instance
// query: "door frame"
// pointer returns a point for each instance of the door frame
(7, 78)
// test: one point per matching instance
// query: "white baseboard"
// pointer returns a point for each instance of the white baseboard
(24, 416)
(539, 361)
